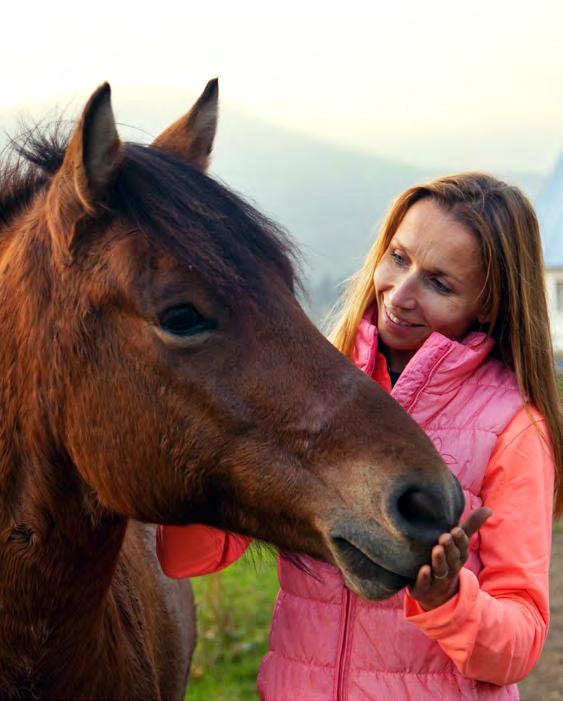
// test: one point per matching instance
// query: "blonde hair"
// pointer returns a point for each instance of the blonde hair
(504, 222)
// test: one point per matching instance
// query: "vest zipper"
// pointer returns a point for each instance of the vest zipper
(343, 652)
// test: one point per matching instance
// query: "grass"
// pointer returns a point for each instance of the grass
(234, 611)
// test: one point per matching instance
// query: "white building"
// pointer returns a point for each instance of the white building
(549, 207)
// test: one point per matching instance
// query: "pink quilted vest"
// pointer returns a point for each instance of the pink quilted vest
(326, 643)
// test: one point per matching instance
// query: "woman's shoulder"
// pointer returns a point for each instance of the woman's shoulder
(523, 452)
(528, 420)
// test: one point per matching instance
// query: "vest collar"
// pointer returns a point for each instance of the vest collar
(440, 363)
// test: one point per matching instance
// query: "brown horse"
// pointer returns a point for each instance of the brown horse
(156, 367)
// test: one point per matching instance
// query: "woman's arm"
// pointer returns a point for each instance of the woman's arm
(495, 627)
(191, 551)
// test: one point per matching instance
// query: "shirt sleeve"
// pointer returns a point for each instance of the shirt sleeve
(194, 550)
(495, 627)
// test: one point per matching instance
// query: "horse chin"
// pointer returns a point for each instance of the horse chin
(383, 584)
(363, 575)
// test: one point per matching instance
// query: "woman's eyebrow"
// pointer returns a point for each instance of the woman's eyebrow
(444, 273)
(432, 270)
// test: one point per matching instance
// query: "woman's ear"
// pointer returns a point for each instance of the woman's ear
(484, 317)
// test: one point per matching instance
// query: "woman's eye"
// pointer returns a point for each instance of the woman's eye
(184, 320)
(398, 258)
(439, 285)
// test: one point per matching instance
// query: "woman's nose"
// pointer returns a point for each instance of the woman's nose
(403, 293)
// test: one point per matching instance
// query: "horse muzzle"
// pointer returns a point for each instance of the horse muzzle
(378, 558)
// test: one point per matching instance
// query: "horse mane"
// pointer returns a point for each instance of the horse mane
(27, 160)
(198, 220)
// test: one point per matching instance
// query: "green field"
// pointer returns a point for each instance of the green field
(234, 610)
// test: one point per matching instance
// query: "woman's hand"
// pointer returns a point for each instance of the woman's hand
(439, 581)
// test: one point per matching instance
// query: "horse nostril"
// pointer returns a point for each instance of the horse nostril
(420, 513)
(419, 507)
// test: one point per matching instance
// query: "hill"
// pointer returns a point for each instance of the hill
(329, 197)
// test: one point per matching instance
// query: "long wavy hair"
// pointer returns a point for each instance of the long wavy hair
(514, 300)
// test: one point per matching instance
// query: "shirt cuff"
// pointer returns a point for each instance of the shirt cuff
(451, 615)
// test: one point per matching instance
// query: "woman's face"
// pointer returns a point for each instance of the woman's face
(430, 279)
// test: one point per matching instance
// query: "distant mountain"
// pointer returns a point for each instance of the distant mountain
(329, 197)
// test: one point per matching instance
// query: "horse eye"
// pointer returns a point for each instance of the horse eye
(184, 320)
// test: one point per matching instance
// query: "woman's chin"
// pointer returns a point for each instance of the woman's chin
(399, 342)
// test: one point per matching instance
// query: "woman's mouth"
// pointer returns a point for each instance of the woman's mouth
(395, 320)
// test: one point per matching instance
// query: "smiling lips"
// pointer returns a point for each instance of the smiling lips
(396, 320)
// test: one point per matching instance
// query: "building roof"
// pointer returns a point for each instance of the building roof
(549, 208)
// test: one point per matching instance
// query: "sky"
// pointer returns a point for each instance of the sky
(454, 83)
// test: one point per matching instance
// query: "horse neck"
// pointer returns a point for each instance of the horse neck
(58, 547)
(58, 556)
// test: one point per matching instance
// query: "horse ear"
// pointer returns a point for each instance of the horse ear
(191, 137)
(91, 161)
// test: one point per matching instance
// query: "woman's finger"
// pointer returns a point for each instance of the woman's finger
(425, 578)
(452, 553)
(461, 541)
(422, 583)
(439, 563)
(475, 520)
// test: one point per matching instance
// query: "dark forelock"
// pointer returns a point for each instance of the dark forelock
(183, 212)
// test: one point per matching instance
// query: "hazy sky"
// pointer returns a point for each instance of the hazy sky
(463, 83)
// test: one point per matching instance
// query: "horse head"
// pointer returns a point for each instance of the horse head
(164, 363)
